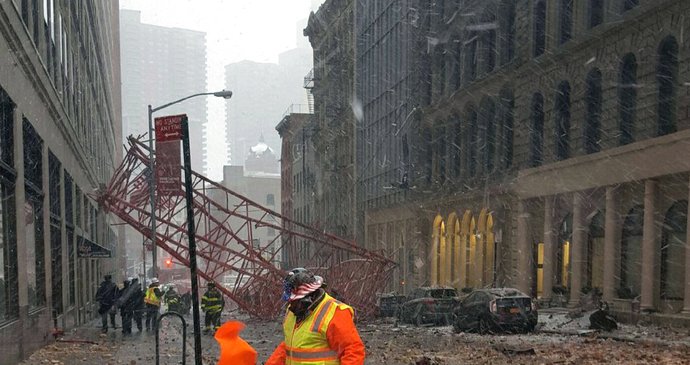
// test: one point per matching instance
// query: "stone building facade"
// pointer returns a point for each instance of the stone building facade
(299, 183)
(60, 132)
(556, 132)
(331, 33)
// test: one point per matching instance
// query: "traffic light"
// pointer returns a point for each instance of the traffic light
(168, 263)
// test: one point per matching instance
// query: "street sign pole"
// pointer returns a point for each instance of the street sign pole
(191, 235)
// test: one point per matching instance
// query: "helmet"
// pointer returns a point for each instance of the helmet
(154, 281)
(211, 284)
(298, 277)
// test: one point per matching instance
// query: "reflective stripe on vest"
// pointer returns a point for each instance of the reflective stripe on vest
(151, 297)
(311, 355)
(306, 343)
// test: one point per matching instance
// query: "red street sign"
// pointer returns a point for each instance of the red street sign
(168, 164)
(169, 128)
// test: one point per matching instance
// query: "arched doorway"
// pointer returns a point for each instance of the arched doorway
(631, 254)
(485, 238)
(565, 234)
(472, 254)
(454, 241)
(595, 253)
(437, 242)
(464, 251)
(673, 251)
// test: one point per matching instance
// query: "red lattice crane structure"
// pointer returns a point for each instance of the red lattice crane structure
(226, 224)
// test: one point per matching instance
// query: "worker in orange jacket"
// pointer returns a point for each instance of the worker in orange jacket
(317, 327)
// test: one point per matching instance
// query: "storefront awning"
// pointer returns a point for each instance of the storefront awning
(89, 249)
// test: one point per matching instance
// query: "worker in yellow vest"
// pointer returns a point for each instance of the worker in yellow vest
(152, 298)
(317, 327)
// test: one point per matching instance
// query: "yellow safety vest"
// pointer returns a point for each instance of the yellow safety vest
(306, 344)
(152, 298)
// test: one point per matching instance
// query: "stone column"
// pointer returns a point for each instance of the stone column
(577, 247)
(549, 246)
(20, 200)
(433, 256)
(47, 248)
(479, 258)
(611, 244)
(523, 276)
(648, 245)
(686, 301)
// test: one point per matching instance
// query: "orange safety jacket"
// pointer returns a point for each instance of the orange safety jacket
(327, 336)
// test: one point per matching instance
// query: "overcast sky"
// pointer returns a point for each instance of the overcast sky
(237, 30)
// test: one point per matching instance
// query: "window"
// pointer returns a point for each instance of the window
(456, 75)
(562, 123)
(428, 148)
(35, 255)
(627, 98)
(566, 20)
(537, 131)
(488, 41)
(487, 147)
(471, 56)
(631, 254)
(9, 286)
(471, 142)
(507, 10)
(439, 145)
(596, 12)
(539, 28)
(667, 79)
(456, 146)
(630, 4)
(270, 200)
(507, 115)
(593, 114)
(673, 249)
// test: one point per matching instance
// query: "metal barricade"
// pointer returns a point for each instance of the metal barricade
(184, 336)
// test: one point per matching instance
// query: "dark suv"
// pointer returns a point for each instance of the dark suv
(429, 305)
(495, 310)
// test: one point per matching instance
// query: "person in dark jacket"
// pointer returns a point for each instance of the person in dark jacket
(131, 305)
(106, 297)
(173, 300)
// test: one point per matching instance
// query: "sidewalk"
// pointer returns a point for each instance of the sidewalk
(87, 345)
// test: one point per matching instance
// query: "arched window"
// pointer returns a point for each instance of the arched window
(507, 25)
(629, 4)
(667, 78)
(456, 76)
(471, 56)
(488, 40)
(439, 144)
(440, 79)
(506, 128)
(595, 253)
(631, 254)
(457, 145)
(562, 123)
(627, 98)
(429, 155)
(596, 12)
(537, 131)
(565, 15)
(471, 141)
(487, 123)
(565, 233)
(673, 251)
(593, 116)
(539, 32)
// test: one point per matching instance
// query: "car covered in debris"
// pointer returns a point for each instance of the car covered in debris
(388, 304)
(429, 305)
(495, 310)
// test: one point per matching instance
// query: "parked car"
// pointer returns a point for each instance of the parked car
(495, 310)
(388, 304)
(429, 305)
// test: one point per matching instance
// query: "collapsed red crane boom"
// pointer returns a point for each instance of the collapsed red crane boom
(226, 224)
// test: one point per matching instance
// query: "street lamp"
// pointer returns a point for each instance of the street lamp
(225, 94)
